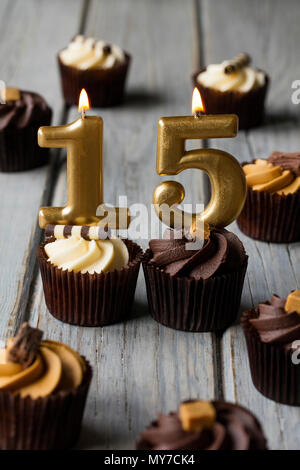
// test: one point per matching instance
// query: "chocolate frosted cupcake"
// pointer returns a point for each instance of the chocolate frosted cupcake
(272, 332)
(43, 390)
(195, 288)
(201, 425)
(21, 115)
(272, 209)
(89, 278)
(98, 67)
(234, 87)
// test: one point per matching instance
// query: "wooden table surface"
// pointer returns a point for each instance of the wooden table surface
(140, 367)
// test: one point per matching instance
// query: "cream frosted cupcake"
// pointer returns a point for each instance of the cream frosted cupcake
(234, 87)
(97, 66)
(89, 278)
(43, 390)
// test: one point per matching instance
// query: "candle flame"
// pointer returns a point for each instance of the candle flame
(83, 101)
(197, 103)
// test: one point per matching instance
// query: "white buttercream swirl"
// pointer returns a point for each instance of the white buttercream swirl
(95, 256)
(242, 80)
(87, 53)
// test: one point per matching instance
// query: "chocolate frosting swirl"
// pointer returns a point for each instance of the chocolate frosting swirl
(287, 161)
(274, 325)
(220, 253)
(235, 428)
(30, 108)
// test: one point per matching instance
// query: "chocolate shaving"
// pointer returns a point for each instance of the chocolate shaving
(25, 345)
(240, 61)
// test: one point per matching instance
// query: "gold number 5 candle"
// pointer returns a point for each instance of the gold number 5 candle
(225, 173)
(83, 141)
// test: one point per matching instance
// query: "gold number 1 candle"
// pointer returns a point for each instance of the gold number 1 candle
(83, 141)
(225, 173)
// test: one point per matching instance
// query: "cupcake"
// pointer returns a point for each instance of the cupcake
(194, 288)
(89, 277)
(21, 115)
(272, 209)
(234, 87)
(98, 67)
(43, 390)
(204, 425)
(272, 332)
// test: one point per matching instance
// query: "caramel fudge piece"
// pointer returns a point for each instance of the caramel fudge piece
(196, 415)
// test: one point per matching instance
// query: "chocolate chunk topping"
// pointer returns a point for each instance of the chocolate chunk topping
(287, 161)
(25, 345)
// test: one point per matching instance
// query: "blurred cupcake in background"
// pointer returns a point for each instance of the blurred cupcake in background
(97, 66)
(204, 425)
(272, 209)
(234, 87)
(21, 115)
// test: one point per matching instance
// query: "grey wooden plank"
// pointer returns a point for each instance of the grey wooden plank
(269, 31)
(30, 35)
(140, 368)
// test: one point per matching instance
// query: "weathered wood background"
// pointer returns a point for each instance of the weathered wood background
(140, 367)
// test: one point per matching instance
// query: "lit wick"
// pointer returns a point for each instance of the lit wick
(197, 104)
(83, 103)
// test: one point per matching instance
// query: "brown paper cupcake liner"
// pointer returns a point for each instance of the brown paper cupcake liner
(90, 299)
(105, 87)
(272, 370)
(45, 423)
(190, 304)
(271, 217)
(248, 106)
(19, 150)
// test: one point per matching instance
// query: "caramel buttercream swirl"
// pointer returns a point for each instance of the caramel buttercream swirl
(56, 367)
(243, 79)
(263, 175)
(235, 428)
(275, 325)
(80, 255)
(87, 53)
(221, 252)
(30, 108)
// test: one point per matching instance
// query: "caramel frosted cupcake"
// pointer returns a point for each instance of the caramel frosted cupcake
(195, 289)
(234, 87)
(43, 390)
(272, 209)
(89, 278)
(21, 115)
(272, 332)
(203, 425)
(98, 67)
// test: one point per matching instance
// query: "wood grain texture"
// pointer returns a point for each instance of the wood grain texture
(31, 33)
(140, 368)
(259, 28)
